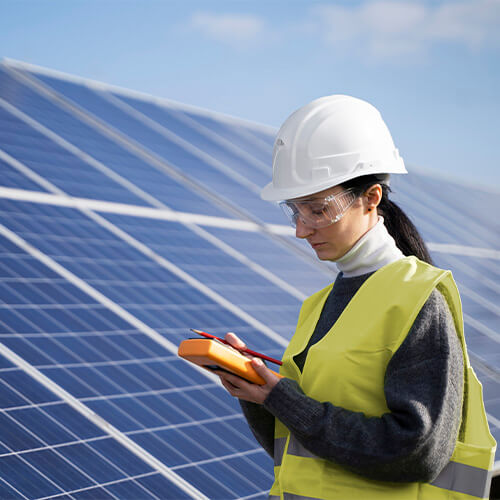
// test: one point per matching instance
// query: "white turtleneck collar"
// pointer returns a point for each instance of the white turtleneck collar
(372, 251)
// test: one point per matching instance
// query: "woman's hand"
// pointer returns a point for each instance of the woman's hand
(240, 388)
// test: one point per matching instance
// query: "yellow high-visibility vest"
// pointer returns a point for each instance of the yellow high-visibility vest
(347, 368)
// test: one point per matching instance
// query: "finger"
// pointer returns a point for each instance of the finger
(234, 340)
(235, 381)
(262, 370)
(229, 387)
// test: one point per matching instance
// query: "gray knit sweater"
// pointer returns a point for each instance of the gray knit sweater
(423, 389)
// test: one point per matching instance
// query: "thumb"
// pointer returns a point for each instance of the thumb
(263, 371)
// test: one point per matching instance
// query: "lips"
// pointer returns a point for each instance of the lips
(316, 245)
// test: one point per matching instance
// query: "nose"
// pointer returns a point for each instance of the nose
(302, 230)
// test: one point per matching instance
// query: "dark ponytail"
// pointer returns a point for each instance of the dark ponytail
(399, 226)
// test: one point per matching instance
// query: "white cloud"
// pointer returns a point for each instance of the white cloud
(474, 23)
(394, 29)
(229, 28)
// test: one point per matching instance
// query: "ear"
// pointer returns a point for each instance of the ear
(373, 196)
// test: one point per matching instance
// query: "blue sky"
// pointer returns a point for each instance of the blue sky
(431, 67)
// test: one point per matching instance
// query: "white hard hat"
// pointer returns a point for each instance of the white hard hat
(327, 142)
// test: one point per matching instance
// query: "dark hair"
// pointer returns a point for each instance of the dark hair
(399, 226)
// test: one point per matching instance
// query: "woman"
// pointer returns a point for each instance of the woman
(374, 401)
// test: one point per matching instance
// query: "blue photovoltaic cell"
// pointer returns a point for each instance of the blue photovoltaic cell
(230, 148)
(12, 178)
(47, 448)
(223, 274)
(128, 379)
(183, 158)
(471, 204)
(278, 258)
(248, 138)
(55, 164)
(145, 177)
(442, 217)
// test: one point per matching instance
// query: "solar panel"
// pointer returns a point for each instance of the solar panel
(12, 178)
(202, 158)
(226, 143)
(441, 218)
(199, 166)
(121, 374)
(98, 152)
(126, 220)
(48, 448)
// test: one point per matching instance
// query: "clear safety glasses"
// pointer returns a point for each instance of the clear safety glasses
(319, 212)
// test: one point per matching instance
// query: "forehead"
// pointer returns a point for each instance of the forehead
(320, 195)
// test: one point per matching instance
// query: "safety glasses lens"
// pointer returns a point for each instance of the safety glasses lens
(318, 212)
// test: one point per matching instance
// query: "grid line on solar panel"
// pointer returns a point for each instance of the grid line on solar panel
(261, 141)
(192, 222)
(3, 349)
(463, 250)
(177, 139)
(67, 129)
(158, 237)
(481, 201)
(198, 144)
(103, 487)
(83, 409)
(37, 182)
(185, 125)
(259, 131)
(169, 173)
(49, 451)
(61, 163)
(477, 297)
(130, 193)
(480, 327)
(441, 222)
(195, 165)
(490, 306)
(290, 329)
(98, 246)
(10, 177)
(200, 408)
(257, 268)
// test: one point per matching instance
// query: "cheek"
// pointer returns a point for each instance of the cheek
(341, 236)
(337, 233)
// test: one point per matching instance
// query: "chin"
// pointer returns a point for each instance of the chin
(324, 254)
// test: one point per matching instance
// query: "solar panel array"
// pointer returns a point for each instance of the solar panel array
(125, 220)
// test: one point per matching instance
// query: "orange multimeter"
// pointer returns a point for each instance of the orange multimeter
(214, 355)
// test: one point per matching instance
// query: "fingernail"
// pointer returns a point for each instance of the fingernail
(258, 362)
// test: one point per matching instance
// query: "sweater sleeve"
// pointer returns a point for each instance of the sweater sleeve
(423, 389)
(261, 423)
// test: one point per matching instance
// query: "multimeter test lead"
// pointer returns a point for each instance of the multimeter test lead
(248, 351)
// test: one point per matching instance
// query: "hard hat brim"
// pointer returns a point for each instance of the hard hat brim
(271, 193)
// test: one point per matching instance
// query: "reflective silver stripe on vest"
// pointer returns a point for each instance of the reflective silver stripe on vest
(291, 496)
(279, 448)
(295, 448)
(464, 479)
(455, 476)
